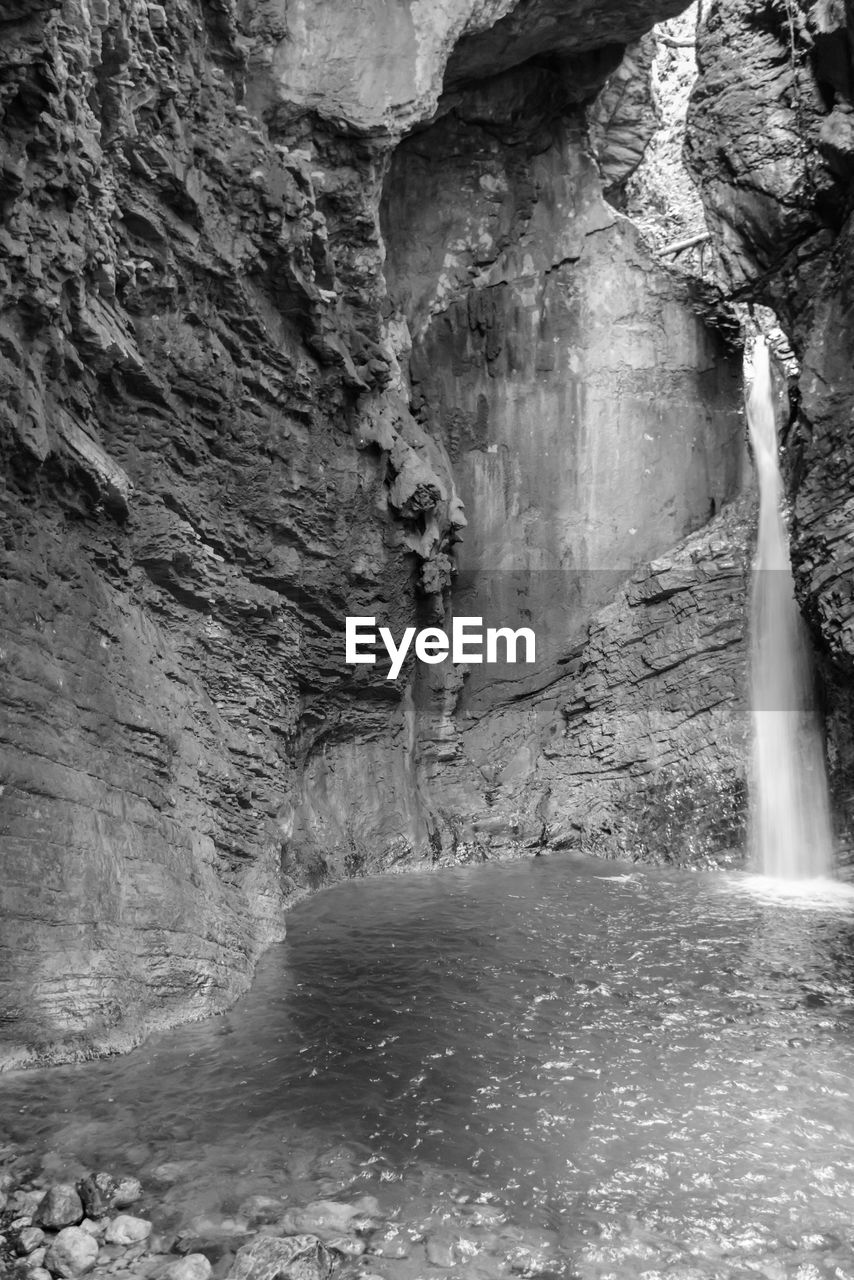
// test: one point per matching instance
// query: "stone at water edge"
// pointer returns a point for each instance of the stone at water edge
(96, 1192)
(137, 1155)
(258, 1210)
(161, 1242)
(390, 1242)
(40, 1273)
(440, 1253)
(349, 1246)
(25, 1203)
(330, 1217)
(215, 1248)
(127, 1230)
(277, 1258)
(94, 1228)
(215, 1225)
(128, 1191)
(60, 1207)
(194, 1267)
(29, 1239)
(72, 1253)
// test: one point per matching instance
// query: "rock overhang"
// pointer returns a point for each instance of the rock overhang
(381, 69)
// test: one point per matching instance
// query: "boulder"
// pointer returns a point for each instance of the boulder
(25, 1203)
(127, 1192)
(194, 1267)
(127, 1230)
(96, 1193)
(327, 1218)
(72, 1253)
(61, 1207)
(29, 1239)
(278, 1258)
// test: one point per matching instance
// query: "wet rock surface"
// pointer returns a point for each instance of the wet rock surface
(771, 150)
(637, 748)
(299, 1243)
(221, 434)
(297, 1257)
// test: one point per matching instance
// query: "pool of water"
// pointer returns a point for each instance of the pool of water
(599, 1070)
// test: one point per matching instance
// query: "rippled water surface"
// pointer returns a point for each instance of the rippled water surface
(629, 1073)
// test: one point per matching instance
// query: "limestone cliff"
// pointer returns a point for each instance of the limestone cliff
(293, 297)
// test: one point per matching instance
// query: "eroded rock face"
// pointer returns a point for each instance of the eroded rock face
(592, 421)
(753, 124)
(624, 117)
(773, 151)
(219, 440)
(637, 748)
(191, 331)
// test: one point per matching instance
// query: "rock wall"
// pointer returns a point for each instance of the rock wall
(592, 421)
(771, 141)
(224, 428)
(190, 324)
(637, 749)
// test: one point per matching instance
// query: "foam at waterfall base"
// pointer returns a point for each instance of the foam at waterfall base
(819, 891)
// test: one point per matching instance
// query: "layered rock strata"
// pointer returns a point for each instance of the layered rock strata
(591, 418)
(223, 431)
(637, 746)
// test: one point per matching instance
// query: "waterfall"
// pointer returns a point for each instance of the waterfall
(789, 810)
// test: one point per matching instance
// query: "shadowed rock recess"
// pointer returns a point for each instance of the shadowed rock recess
(316, 309)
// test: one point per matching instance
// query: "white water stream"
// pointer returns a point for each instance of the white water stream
(790, 811)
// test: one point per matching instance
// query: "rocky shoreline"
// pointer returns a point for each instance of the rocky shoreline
(66, 1230)
(103, 1225)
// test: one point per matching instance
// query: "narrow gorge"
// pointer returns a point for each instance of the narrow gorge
(317, 310)
(414, 319)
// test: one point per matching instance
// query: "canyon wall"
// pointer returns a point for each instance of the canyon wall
(301, 317)
(771, 144)
(591, 418)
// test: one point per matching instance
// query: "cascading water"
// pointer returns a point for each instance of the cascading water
(790, 810)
